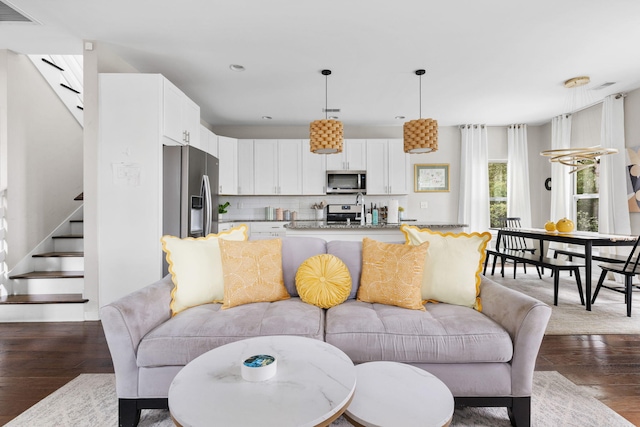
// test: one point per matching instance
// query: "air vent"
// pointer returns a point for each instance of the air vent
(330, 110)
(8, 14)
(603, 85)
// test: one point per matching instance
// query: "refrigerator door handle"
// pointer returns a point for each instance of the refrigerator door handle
(206, 193)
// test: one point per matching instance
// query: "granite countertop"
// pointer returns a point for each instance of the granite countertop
(310, 225)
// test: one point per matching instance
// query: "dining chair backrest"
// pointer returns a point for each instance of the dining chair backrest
(632, 262)
(514, 242)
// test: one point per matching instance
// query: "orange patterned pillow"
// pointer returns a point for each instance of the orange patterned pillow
(392, 274)
(252, 272)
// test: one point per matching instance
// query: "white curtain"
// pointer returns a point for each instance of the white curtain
(473, 208)
(561, 198)
(518, 197)
(613, 210)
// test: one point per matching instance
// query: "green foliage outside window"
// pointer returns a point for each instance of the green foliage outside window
(497, 193)
(587, 207)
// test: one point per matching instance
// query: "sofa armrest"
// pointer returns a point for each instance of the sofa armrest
(126, 321)
(525, 319)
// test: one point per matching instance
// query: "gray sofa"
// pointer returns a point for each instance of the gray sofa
(486, 358)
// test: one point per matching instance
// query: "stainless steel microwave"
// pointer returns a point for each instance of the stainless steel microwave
(346, 182)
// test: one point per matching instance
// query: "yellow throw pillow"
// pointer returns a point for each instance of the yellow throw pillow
(323, 280)
(392, 274)
(196, 267)
(453, 265)
(252, 272)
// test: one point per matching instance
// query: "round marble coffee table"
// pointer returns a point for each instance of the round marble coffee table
(313, 385)
(397, 394)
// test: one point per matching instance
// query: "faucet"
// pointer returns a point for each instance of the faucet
(360, 201)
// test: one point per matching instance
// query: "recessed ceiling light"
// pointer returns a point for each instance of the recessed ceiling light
(400, 117)
(267, 117)
(236, 67)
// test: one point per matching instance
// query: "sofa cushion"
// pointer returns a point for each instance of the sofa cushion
(323, 280)
(200, 329)
(295, 250)
(195, 265)
(252, 272)
(453, 266)
(350, 252)
(444, 333)
(392, 273)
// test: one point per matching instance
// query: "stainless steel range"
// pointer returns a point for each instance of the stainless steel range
(342, 213)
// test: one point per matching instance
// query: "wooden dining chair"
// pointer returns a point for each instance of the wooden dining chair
(511, 244)
(629, 269)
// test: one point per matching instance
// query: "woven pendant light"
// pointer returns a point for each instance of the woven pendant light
(421, 136)
(325, 136)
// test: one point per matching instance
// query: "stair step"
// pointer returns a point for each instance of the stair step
(76, 220)
(44, 299)
(59, 254)
(69, 236)
(49, 275)
(79, 196)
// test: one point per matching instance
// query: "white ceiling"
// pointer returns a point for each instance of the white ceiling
(488, 61)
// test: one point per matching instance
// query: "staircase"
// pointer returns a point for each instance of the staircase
(52, 287)
(64, 75)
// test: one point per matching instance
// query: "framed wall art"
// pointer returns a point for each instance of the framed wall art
(431, 177)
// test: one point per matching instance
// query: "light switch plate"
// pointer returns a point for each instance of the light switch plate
(424, 205)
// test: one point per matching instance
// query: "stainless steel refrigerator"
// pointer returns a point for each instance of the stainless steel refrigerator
(190, 193)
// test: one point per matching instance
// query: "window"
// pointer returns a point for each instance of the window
(497, 192)
(586, 198)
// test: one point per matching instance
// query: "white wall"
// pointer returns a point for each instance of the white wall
(44, 145)
(99, 59)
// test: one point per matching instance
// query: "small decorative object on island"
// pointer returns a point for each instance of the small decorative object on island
(400, 213)
(550, 226)
(565, 225)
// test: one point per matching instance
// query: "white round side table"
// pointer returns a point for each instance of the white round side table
(396, 394)
(313, 384)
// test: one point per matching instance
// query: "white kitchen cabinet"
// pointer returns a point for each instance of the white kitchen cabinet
(245, 167)
(387, 167)
(208, 141)
(268, 230)
(181, 116)
(290, 167)
(228, 171)
(266, 166)
(314, 171)
(399, 168)
(353, 156)
(277, 166)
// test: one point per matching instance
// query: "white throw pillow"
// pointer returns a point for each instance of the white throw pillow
(453, 265)
(195, 265)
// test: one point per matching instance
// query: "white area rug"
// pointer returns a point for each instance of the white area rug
(90, 401)
(607, 316)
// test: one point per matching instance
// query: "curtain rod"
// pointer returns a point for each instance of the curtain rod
(593, 104)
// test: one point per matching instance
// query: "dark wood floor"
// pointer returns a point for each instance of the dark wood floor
(38, 358)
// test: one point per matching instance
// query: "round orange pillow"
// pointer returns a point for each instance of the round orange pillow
(323, 280)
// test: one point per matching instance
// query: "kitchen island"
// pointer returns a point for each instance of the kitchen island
(354, 231)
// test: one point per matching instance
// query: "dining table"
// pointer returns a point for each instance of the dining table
(581, 238)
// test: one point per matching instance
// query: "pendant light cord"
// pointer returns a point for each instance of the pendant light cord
(420, 95)
(326, 96)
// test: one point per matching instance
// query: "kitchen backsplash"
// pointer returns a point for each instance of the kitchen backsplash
(253, 207)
